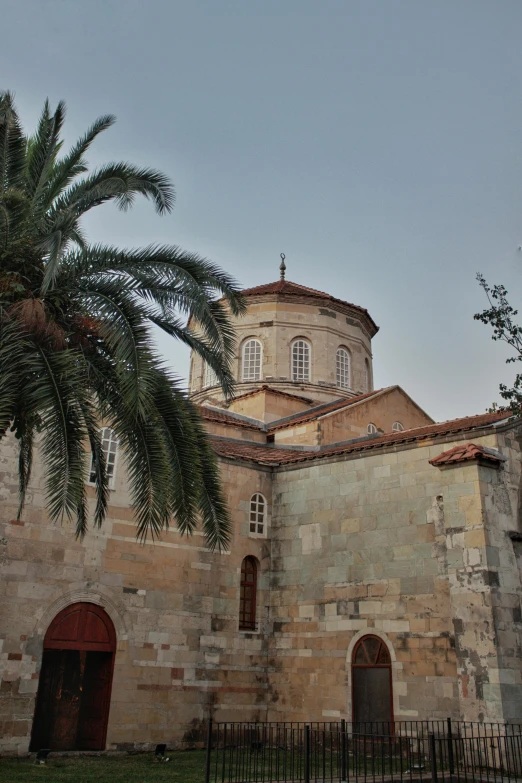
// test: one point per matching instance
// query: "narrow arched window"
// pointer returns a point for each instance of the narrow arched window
(247, 595)
(371, 429)
(211, 378)
(367, 380)
(397, 426)
(300, 360)
(257, 513)
(343, 368)
(252, 360)
(109, 441)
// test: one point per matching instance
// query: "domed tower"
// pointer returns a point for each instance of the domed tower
(296, 341)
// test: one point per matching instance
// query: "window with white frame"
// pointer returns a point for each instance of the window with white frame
(397, 426)
(252, 360)
(109, 442)
(367, 382)
(300, 360)
(257, 514)
(371, 429)
(343, 368)
(211, 378)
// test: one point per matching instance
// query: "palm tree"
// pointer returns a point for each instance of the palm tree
(76, 336)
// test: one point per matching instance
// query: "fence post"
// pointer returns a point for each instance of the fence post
(209, 750)
(307, 754)
(343, 749)
(433, 758)
(450, 749)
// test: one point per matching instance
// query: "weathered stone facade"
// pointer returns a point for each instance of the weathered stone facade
(363, 535)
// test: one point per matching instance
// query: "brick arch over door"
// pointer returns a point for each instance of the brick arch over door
(72, 705)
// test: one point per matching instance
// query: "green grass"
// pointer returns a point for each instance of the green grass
(184, 767)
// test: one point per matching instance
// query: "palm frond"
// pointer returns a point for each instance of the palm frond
(25, 462)
(53, 392)
(118, 182)
(73, 164)
(12, 144)
(12, 355)
(42, 151)
(217, 526)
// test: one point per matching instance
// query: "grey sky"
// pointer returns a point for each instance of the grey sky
(375, 142)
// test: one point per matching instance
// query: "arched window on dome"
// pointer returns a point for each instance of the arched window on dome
(252, 360)
(343, 368)
(301, 352)
(257, 518)
(109, 442)
(367, 376)
(371, 429)
(211, 378)
(248, 594)
(397, 426)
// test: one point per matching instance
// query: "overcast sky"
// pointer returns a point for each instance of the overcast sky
(375, 142)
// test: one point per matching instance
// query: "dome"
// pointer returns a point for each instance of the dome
(297, 341)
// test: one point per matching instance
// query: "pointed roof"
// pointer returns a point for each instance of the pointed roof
(468, 452)
(285, 288)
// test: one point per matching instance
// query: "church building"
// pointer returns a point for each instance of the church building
(374, 569)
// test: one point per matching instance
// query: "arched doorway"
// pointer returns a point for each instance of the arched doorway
(371, 681)
(72, 704)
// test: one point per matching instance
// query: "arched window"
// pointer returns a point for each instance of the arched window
(397, 426)
(109, 441)
(247, 595)
(300, 360)
(371, 429)
(252, 360)
(211, 378)
(343, 368)
(257, 513)
(367, 379)
(371, 681)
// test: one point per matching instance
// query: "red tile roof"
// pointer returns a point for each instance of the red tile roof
(287, 288)
(465, 453)
(262, 455)
(223, 417)
(277, 455)
(323, 409)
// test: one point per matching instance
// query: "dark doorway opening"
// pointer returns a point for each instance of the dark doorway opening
(72, 704)
(371, 682)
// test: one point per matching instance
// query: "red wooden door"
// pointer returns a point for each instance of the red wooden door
(72, 706)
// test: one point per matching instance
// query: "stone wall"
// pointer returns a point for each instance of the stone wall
(174, 604)
(430, 560)
(389, 545)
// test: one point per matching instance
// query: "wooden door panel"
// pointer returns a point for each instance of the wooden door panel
(94, 629)
(66, 701)
(67, 630)
(371, 694)
(96, 688)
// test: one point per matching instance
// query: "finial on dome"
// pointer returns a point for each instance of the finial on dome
(282, 265)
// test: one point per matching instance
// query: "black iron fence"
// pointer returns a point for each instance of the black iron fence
(409, 751)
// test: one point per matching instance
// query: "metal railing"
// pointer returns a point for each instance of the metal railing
(408, 751)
